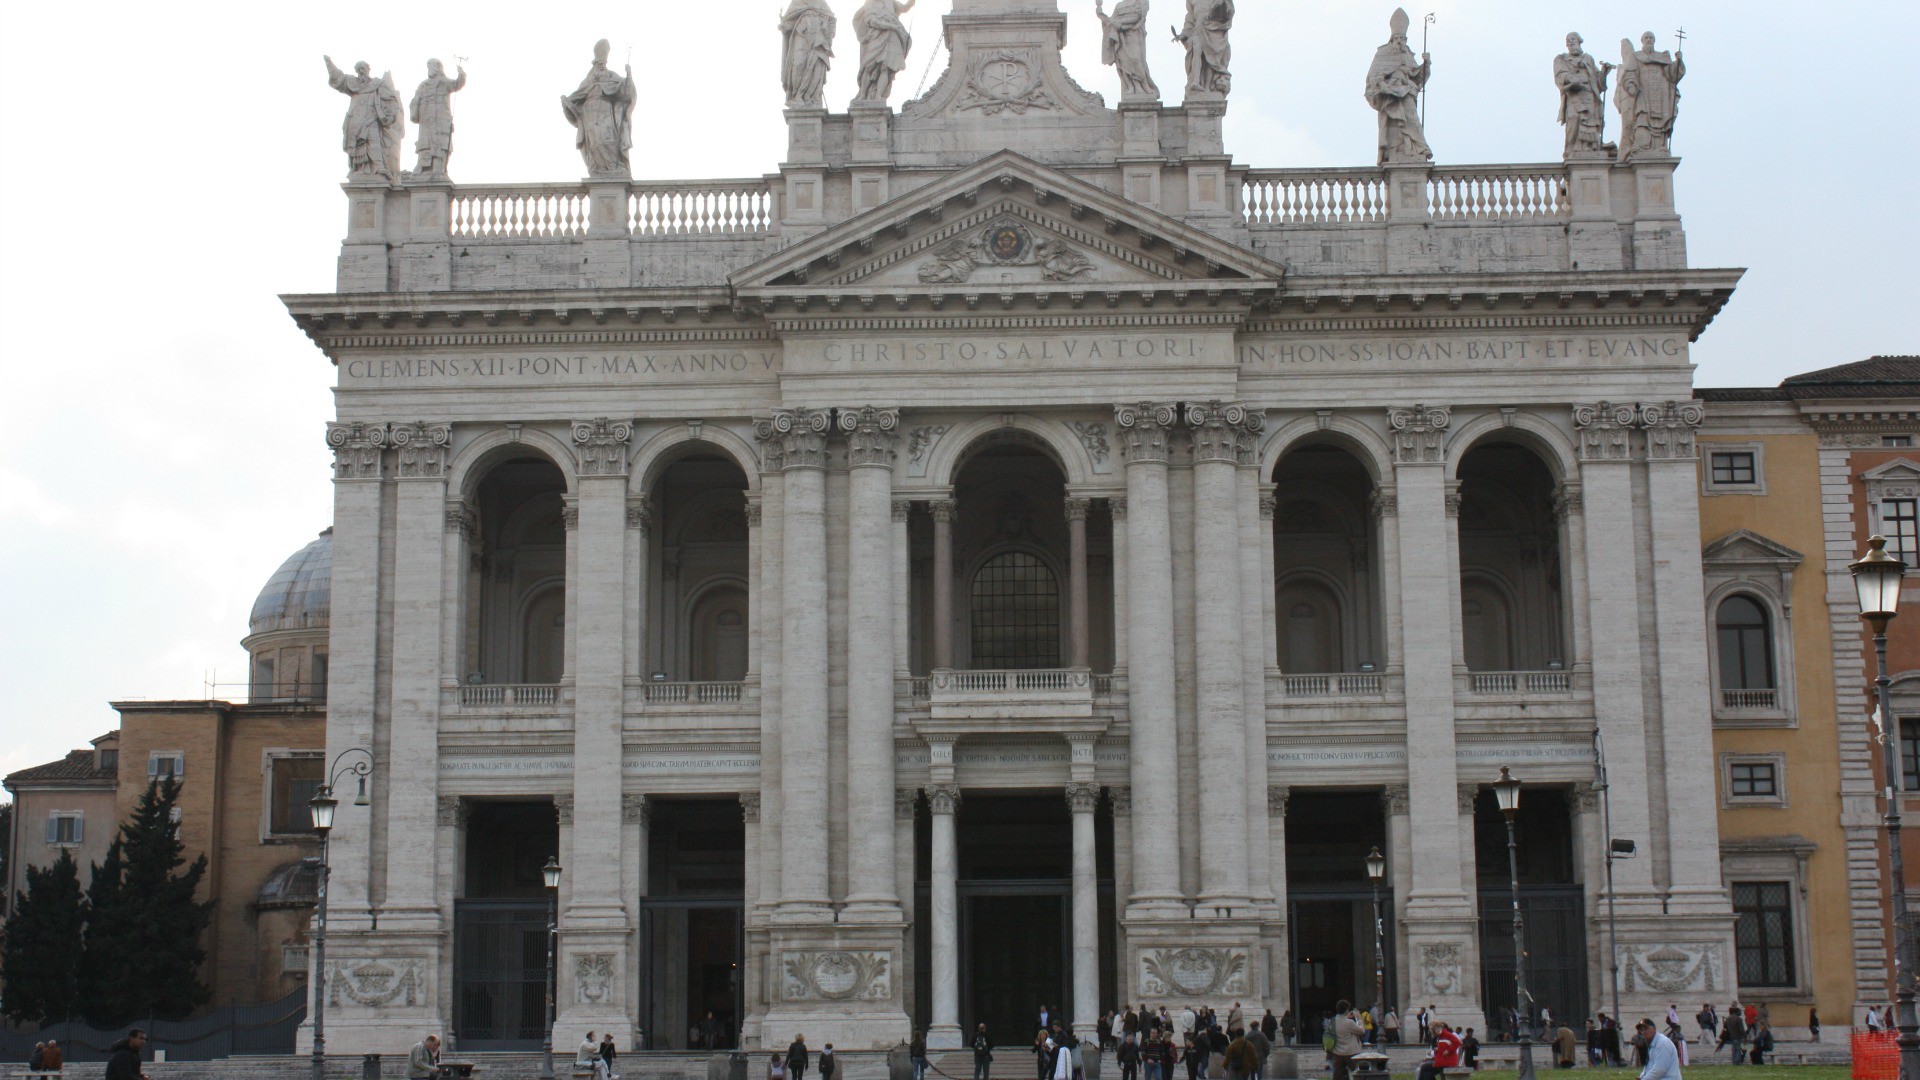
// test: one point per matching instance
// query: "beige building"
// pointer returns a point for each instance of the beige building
(66, 805)
(1014, 553)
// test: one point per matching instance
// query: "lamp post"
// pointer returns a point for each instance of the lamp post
(322, 806)
(1601, 785)
(550, 874)
(1876, 578)
(1376, 869)
(1507, 791)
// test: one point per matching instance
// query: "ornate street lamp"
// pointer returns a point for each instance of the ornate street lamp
(1876, 578)
(1377, 869)
(1506, 791)
(322, 806)
(550, 874)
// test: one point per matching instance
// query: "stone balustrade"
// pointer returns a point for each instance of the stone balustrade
(1507, 683)
(1738, 700)
(1313, 196)
(694, 693)
(1492, 193)
(508, 695)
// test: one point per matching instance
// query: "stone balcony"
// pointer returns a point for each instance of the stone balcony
(1038, 699)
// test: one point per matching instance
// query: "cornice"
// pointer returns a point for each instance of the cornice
(1010, 319)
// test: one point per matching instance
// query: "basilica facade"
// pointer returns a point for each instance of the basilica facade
(1015, 553)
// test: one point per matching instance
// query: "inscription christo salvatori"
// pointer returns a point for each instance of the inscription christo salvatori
(1001, 351)
(1461, 350)
(730, 365)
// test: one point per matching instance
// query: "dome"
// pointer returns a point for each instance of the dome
(299, 595)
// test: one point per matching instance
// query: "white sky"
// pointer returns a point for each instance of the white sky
(165, 454)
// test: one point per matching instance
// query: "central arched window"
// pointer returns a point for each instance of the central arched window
(1746, 645)
(1016, 613)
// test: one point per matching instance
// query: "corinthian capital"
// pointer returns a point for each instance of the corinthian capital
(602, 446)
(1671, 428)
(421, 448)
(1223, 431)
(943, 798)
(1419, 434)
(1082, 798)
(794, 438)
(1605, 430)
(1143, 429)
(356, 450)
(870, 437)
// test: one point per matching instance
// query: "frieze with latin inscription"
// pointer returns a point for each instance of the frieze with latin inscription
(702, 368)
(1289, 354)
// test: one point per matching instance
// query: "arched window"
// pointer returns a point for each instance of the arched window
(718, 636)
(543, 641)
(1746, 645)
(1486, 625)
(1016, 613)
(1309, 629)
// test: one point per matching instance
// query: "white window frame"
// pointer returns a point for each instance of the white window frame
(1707, 484)
(1760, 859)
(267, 759)
(1775, 801)
(1896, 480)
(78, 817)
(154, 757)
(1746, 563)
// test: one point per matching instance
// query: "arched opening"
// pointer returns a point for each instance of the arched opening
(697, 572)
(1746, 644)
(1015, 606)
(517, 629)
(1326, 575)
(1511, 602)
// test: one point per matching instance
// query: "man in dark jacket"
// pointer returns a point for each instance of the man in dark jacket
(797, 1060)
(826, 1062)
(125, 1062)
(1129, 1058)
(982, 1054)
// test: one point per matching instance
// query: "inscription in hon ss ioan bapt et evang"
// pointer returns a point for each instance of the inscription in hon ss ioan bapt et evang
(1576, 350)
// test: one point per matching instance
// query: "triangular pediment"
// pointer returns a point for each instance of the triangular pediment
(1746, 547)
(1898, 471)
(1007, 222)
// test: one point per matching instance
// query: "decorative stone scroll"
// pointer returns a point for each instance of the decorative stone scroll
(1671, 969)
(1193, 972)
(1122, 800)
(377, 983)
(1082, 798)
(794, 438)
(750, 807)
(563, 808)
(640, 512)
(1419, 434)
(870, 437)
(1671, 428)
(943, 798)
(592, 978)
(1566, 501)
(602, 446)
(450, 810)
(462, 519)
(1005, 80)
(1440, 965)
(356, 450)
(1383, 502)
(1395, 800)
(1004, 243)
(1143, 430)
(421, 448)
(1277, 801)
(1605, 431)
(836, 975)
(634, 810)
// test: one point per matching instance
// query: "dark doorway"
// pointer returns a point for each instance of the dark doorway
(1330, 903)
(500, 926)
(1552, 907)
(1016, 957)
(690, 928)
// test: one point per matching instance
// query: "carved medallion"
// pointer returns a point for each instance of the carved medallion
(1005, 81)
(1193, 972)
(836, 975)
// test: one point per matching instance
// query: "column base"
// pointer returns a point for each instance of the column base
(1663, 958)
(1197, 961)
(802, 913)
(1443, 961)
(836, 984)
(945, 1037)
(871, 911)
(384, 990)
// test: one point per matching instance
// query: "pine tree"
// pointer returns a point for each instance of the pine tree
(41, 964)
(144, 934)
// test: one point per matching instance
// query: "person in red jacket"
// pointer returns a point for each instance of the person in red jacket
(1446, 1049)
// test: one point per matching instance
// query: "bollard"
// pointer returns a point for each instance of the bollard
(369, 1067)
(900, 1063)
(1090, 1059)
(1371, 1065)
(1282, 1065)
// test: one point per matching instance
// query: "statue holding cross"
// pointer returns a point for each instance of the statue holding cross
(1648, 97)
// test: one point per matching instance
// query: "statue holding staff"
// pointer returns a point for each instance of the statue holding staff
(1208, 52)
(807, 31)
(1394, 83)
(1583, 87)
(1123, 44)
(1648, 96)
(602, 112)
(374, 127)
(432, 115)
(884, 42)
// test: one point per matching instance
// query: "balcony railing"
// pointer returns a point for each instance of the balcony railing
(1749, 699)
(1497, 193)
(1519, 682)
(1333, 685)
(654, 208)
(694, 693)
(509, 694)
(1314, 196)
(977, 682)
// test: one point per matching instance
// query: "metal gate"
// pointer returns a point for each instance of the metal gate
(1556, 940)
(499, 973)
(671, 1006)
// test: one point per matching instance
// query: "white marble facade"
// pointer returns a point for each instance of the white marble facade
(1101, 304)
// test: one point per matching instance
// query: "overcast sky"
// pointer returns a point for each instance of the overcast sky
(164, 449)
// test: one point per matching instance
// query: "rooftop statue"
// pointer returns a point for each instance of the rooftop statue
(602, 110)
(432, 115)
(807, 30)
(1394, 83)
(1123, 44)
(1648, 96)
(1583, 87)
(884, 42)
(1208, 53)
(374, 127)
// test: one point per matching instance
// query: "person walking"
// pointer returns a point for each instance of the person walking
(607, 1051)
(124, 1064)
(1734, 1032)
(1196, 1057)
(1289, 1027)
(422, 1061)
(1043, 1054)
(1564, 1046)
(1240, 1059)
(1159, 1056)
(777, 1067)
(1872, 1020)
(1663, 1060)
(1813, 1024)
(1709, 1022)
(917, 1050)
(1347, 1034)
(982, 1053)
(827, 1065)
(1470, 1051)
(797, 1058)
(1262, 1048)
(1128, 1056)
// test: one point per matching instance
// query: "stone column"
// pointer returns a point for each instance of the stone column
(352, 644)
(413, 748)
(906, 804)
(634, 821)
(943, 800)
(1615, 597)
(1121, 800)
(1399, 852)
(756, 587)
(1142, 431)
(639, 530)
(943, 514)
(803, 664)
(1217, 633)
(1255, 598)
(1441, 925)
(770, 630)
(1077, 579)
(1276, 812)
(870, 665)
(753, 967)
(1117, 508)
(1081, 801)
(902, 590)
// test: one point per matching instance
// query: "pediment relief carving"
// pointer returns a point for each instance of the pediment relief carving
(1897, 479)
(1744, 547)
(1011, 242)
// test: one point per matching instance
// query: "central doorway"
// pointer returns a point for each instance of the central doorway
(1330, 903)
(691, 931)
(1015, 891)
